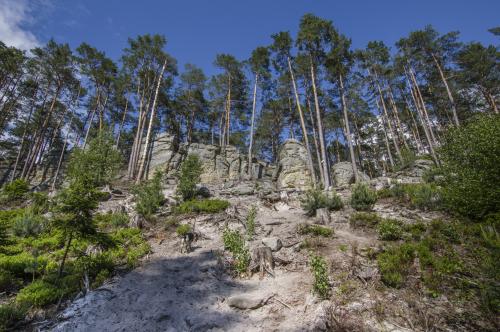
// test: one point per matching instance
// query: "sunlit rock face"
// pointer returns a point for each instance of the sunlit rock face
(219, 165)
(293, 172)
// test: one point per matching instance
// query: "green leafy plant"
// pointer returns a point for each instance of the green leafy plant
(317, 199)
(28, 224)
(10, 314)
(202, 206)
(390, 229)
(393, 264)
(39, 293)
(235, 244)
(183, 229)
(364, 219)
(98, 163)
(189, 177)
(319, 269)
(14, 190)
(470, 157)
(149, 196)
(363, 198)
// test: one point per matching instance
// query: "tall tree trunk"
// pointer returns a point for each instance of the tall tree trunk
(250, 145)
(118, 136)
(348, 130)
(386, 139)
(38, 143)
(151, 121)
(316, 145)
(424, 124)
(450, 95)
(302, 124)
(387, 121)
(422, 104)
(396, 116)
(326, 171)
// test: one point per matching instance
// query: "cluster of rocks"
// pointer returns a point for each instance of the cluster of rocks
(228, 168)
(225, 170)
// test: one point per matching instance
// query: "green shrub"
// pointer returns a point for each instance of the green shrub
(8, 281)
(10, 314)
(250, 222)
(235, 244)
(40, 202)
(115, 220)
(407, 161)
(149, 196)
(363, 198)
(28, 224)
(189, 177)
(7, 216)
(393, 264)
(318, 199)
(364, 219)
(39, 293)
(315, 230)
(183, 229)
(319, 269)
(390, 229)
(98, 163)
(424, 196)
(470, 157)
(202, 206)
(16, 189)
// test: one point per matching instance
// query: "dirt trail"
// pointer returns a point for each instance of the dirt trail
(189, 292)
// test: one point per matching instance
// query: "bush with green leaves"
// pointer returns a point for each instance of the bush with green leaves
(39, 293)
(202, 206)
(98, 163)
(183, 229)
(234, 242)
(319, 269)
(470, 157)
(15, 190)
(390, 229)
(10, 314)
(393, 264)
(111, 220)
(408, 158)
(149, 195)
(363, 198)
(28, 224)
(189, 177)
(364, 219)
(318, 199)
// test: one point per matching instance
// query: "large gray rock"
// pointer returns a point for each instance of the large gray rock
(245, 302)
(293, 172)
(219, 165)
(272, 243)
(343, 174)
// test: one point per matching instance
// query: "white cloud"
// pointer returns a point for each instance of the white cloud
(13, 14)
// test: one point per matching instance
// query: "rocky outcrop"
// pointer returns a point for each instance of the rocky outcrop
(343, 174)
(292, 172)
(219, 165)
(414, 173)
(228, 167)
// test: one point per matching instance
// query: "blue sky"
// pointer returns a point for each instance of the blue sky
(196, 30)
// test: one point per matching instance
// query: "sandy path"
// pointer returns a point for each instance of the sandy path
(174, 292)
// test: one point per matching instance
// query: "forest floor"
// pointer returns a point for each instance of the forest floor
(171, 291)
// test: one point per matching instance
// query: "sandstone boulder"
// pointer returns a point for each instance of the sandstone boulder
(293, 172)
(343, 174)
(272, 243)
